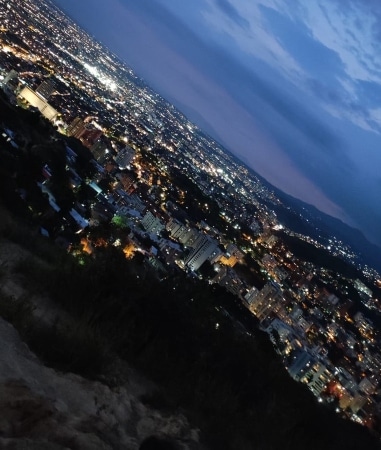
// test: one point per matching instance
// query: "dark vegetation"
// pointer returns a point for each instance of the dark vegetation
(198, 206)
(250, 271)
(323, 225)
(323, 258)
(230, 383)
(195, 200)
(318, 256)
(37, 145)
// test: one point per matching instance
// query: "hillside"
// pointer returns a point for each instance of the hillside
(320, 224)
(44, 404)
(84, 319)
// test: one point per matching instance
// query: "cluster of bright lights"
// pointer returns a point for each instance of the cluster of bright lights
(108, 82)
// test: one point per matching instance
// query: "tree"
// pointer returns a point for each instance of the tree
(120, 221)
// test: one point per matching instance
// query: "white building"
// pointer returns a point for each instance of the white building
(125, 157)
(182, 233)
(152, 224)
(38, 102)
(266, 301)
(317, 377)
(204, 247)
(250, 295)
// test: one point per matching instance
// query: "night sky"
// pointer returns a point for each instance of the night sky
(291, 87)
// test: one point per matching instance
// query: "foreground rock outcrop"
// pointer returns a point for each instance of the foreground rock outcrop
(44, 409)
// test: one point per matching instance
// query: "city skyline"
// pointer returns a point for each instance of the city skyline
(155, 215)
(297, 106)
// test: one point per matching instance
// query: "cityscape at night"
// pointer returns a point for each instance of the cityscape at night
(94, 160)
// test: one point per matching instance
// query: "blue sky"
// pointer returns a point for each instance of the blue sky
(292, 87)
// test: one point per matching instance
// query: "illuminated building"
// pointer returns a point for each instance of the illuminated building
(125, 157)
(99, 150)
(38, 102)
(76, 127)
(173, 227)
(301, 363)
(184, 234)
(152, 224)
(269, 261)
(189, 239)
(255, 226)
(361, 287)
(266, 301)
(11, 75)
(250, 296)
(46, 89)
(227, 278)
(270, 241)
(232, 255)
(89, 136)
(367, 386)
(317, 377)
(204, 247)
(358, 403)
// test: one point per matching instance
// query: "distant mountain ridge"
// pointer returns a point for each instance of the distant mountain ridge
(369, 253)
(325, 224)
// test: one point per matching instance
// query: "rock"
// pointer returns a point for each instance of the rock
(45, 409)
(29, 444)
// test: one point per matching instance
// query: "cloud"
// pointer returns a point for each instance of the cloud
(348, 30)
(331, 42)
(254, 41)
(232, 13)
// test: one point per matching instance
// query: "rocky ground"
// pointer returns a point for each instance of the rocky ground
(42, 408)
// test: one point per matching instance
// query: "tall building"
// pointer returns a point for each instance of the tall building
(204, 247)
(266, 301)
(90, 136)
(173, 226)
(369, 387)
(230, 281)
(46, 89)
(189, 238)
(250, 295)
(301, 363)
(99, 150)
(125, 157)
(255, 226)
(181, 232)
(10, 76)
(152, 224)
(76, 127)
(317, 377)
